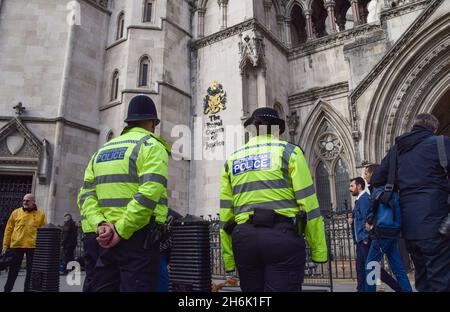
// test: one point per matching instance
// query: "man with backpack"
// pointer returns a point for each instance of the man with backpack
(383, 243)
(422, 183)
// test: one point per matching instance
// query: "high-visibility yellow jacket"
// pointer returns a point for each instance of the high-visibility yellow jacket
(21, 229)
(271, 174)
(125, 183)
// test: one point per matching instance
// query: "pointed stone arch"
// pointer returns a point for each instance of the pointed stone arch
(278, 7)
(325, 126)
(413, 83)
(290, 5)
(322, 116)
(22, 151)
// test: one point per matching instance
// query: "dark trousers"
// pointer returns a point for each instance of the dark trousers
(362, 251)
(269, 258)
(128, 267)
(68, 256)
(388, 247)
(14, 268)
(431, 258)
(90, 256)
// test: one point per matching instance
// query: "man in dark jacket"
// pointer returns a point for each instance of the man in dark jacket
(69, 241)
(423, 190)
(362, 206)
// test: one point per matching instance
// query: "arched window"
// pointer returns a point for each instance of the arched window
(120, 25)
(340, 10)
(319, 15)
(323, 188)
(115, 85)
(332, 174)
(148, 11)
(144, 71)
(341, 183)
(298, 26)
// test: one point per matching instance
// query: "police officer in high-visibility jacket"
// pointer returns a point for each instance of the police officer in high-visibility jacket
(123, 197)
(265, 186)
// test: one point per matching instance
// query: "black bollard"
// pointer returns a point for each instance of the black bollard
(190, 258)
(46, 260)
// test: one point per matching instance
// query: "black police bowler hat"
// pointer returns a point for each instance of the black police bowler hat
(141, 107)
(268, 114)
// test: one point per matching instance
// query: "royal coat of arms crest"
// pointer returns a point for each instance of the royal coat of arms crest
(215, 99)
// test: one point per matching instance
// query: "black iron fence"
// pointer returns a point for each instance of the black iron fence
(341, 249)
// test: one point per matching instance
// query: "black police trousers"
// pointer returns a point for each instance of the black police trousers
(128, 267)
(431, 258)
(269, 258)
(90, 256)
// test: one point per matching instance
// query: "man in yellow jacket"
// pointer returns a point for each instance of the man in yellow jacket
(124, 198)
(20, 238)
(265, 185)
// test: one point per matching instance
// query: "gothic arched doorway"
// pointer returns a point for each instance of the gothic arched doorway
(442, 112)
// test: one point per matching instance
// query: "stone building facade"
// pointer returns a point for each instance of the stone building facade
(348, 75)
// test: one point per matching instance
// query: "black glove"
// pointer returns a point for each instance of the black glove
(229, 226)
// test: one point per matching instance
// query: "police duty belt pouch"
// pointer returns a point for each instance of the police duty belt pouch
(263, 217)
(300, 222)
(388, 219)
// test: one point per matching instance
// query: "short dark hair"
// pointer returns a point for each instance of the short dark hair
(360, 181)
(371, 167)
(427, 121)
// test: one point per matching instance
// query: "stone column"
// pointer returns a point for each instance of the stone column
(292, 120)
(330, 8)
(267, 8)
(287, 30)
(356, 15)
(201, 22)
(281, 33)
(261, 86)
(223, 9)
(309, 28)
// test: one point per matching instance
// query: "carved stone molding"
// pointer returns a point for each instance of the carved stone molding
(338, 38)
(252, 51)
(32, 153)
(404, 9)
(409, 87)
(328, 145)
(311, 95)
(102, 3)
(224, 34)
(293, 121)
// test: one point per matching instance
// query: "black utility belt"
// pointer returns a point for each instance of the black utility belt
(267, 218)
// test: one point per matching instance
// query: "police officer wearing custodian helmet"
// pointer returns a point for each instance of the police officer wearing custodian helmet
(265, 186)
(123, 195)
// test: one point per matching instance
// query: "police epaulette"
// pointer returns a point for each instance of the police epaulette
(298, 147)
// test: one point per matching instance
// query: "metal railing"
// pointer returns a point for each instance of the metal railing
(341, 249)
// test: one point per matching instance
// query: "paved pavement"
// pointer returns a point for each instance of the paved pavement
(73, 283)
